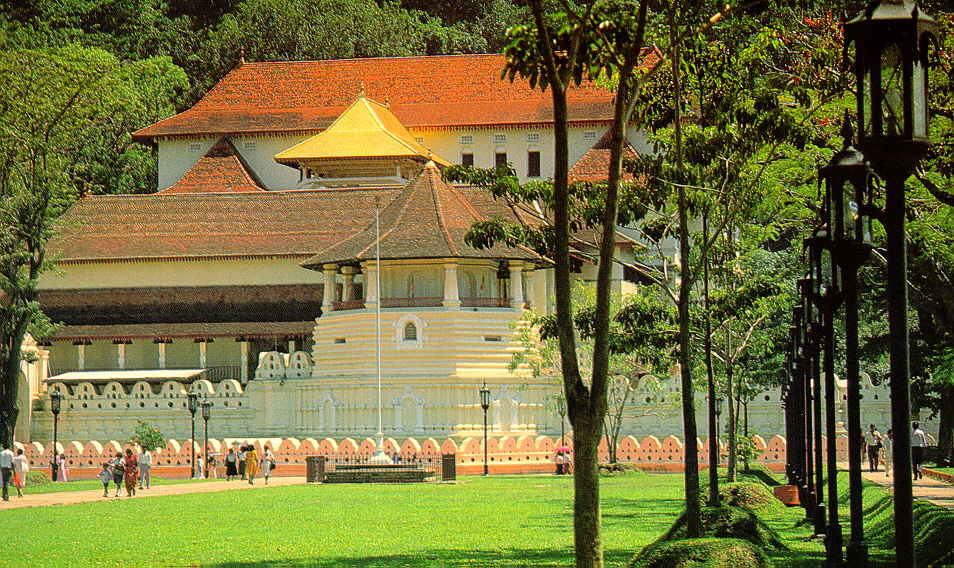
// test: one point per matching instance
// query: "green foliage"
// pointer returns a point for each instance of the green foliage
(729, 522)
(701, 553)
(754, 496)
(147, 437)
(36, 478)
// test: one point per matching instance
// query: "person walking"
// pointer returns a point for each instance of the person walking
(268, 464)
(198, 466)
(251, 463)
(873, 443)
(6, 470)
(61, 473)
(918, 442)
(211, 465)
(20, 468)
(145, 469)
(118, 467)
(242, 455)
(231, 465)
(131, 474)
(105, 476)
(887, 446)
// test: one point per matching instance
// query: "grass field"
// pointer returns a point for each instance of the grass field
(91, 484)
(503, 521)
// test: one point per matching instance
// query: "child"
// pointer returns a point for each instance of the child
(119, 471)
(105, 476)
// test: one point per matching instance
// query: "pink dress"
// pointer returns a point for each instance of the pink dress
(61, 473)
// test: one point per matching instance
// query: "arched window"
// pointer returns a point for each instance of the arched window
(410, 332)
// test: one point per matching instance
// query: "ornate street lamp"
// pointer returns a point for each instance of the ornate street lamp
(56, 400)
(206, 413)
(826, 282)
(485, 404)
(848, 207)
(809, 501)
(193, 406)
(717, 408)
(890, 42)
(813, 333)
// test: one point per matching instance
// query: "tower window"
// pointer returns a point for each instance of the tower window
(500, 138)
(410, 332)
(500, 159)
(533, 163)
(467, 159)
(534, 137)
(467, 139)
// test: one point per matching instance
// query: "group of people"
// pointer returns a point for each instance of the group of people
(244, 463)
(13, 468)
(132, 469)
(880, 448)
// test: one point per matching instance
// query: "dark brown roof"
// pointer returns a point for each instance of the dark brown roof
(424, 91)
(428, 219)
(593, 166)
(220, 170)
(174, 331)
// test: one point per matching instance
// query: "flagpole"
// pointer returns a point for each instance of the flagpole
(380, 456)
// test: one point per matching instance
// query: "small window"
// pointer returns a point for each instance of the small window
(467, 159)
(500, 138)
(468, 139)
(419, 140)
(410, 332)
(340, 340)
(533, 163)
(589, 135)
(195, 147)
(534, 137)
(249, 145)
(492, 338)
(500, 159)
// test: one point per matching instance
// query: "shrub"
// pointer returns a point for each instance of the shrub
(618, 468)
(701, 553)
(147, 437)
(755, 496)
(729, 522)
(34, 478)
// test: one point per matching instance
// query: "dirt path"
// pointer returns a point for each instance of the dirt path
(73, 497)
(935, 491)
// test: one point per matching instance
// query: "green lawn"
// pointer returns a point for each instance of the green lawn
(501, 521)
(91, 484)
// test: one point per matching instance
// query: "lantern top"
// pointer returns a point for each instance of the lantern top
(890, 12)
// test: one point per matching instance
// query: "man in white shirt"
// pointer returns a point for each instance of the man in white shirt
(145, 467)
(6, 469)
(873, 443)
(918, 442)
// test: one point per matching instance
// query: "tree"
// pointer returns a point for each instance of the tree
(57, 107)
(147, 437)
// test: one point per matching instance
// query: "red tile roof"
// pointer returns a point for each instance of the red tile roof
(428, 219)
(425, 91)
(593, 166)
(220, 170)
(182, 330)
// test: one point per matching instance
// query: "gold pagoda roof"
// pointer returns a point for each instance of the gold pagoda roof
(366, 129)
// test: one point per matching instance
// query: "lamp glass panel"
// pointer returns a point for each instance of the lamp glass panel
(892, 90)
(827, 272)
(866, 86)
(919, 104)
(852, 212)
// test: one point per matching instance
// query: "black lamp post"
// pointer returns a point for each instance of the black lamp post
(717, 407)
(485, 404)
(795, 402)
(826, 280)
(206, 413)
(848, 208)
(810, 501)
(193, 406)
(812, 333)
(56, 400)
(891, 40)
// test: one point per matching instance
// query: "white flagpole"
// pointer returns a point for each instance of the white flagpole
(380, 456)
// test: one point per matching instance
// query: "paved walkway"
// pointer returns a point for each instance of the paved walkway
(931, 489)
(73, 497)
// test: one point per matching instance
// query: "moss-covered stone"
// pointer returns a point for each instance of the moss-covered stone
(701, 553)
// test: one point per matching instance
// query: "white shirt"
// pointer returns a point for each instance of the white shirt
(6, 458)
(145, 458)
(21, 464)
(918, 439)
(872, 438)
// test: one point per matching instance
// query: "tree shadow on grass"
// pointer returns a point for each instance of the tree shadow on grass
(463, 558)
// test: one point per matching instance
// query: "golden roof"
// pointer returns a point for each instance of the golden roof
(366, 129)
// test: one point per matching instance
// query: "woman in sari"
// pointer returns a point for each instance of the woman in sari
(61, 473)
(131, 475)
(251, 463)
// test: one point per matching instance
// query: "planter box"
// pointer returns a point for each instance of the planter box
(787, 494)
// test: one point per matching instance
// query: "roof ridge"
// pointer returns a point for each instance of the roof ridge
(430, 170)
(381, 58)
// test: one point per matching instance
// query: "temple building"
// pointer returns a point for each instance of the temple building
(250, 276)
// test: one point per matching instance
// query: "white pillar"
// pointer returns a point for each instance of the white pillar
(291, 345)
(121, 355)
(516, 284)
(81, 356)
(244, 347)
(347, 277)
(203, 353)
(370, 285)
(328, 295)
(162, 355)
(451, 289)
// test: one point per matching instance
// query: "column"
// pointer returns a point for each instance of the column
(516, 284)
(121, 355)
(328, 296)
(347, 273)
(243, 345)
(291, 345)
(81, 357)
(203, 353)
(370, 284)
(451, 289)
(162, 355)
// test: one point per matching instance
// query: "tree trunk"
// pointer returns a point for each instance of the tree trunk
(733, 441)
(586, 502)
(10, 381)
